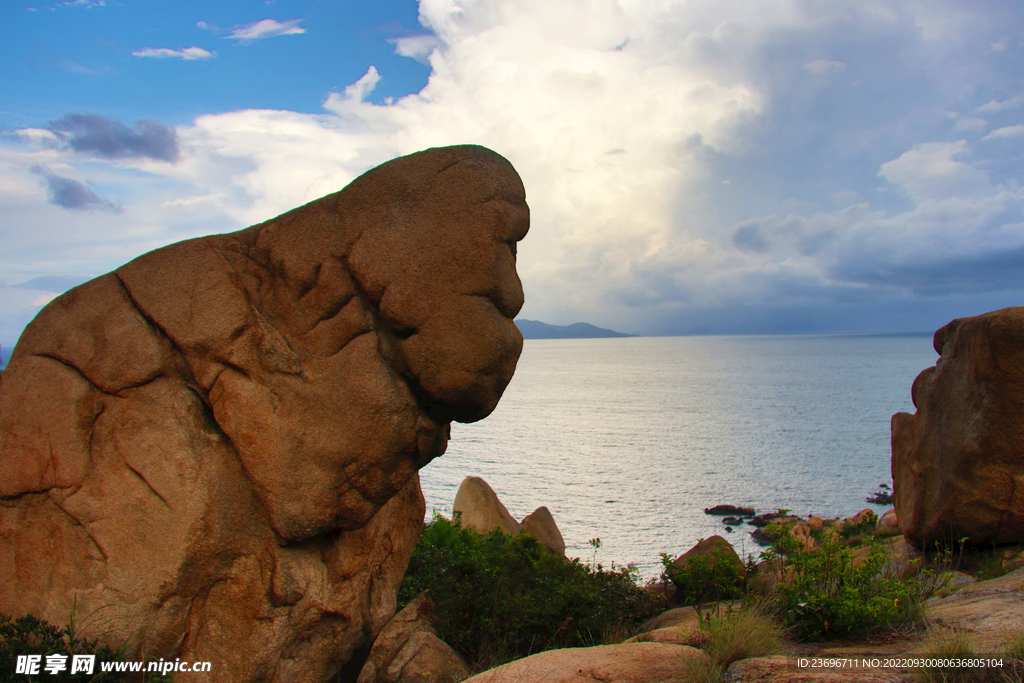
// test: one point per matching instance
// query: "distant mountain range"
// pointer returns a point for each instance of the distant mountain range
(534, 329)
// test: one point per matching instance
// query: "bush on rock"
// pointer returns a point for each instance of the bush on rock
(832, 593)
(500, 597)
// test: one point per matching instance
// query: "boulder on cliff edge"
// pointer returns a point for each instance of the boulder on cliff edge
(958, 462)
(214, 449)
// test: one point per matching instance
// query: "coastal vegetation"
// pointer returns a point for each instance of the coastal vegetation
(500, 597)
(704, 579)
(28, 635)
(832, 591)
(836, 581)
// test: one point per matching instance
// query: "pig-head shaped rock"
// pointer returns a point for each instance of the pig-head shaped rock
(216, 445)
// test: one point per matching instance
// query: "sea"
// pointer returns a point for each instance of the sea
(628, 440)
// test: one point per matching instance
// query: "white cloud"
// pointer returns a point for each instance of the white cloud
(188, 54)
(648, 135)
(996, 106)
(821, 67)
(265, 28)
(417, 47)
(929, 170)
(87, 4)
(1005, 132)
(358, 91)
(969, 123)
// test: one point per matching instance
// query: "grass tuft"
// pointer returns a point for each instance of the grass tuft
(750, 632)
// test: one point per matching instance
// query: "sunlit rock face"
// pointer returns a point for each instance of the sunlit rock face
(211, 453)
(958, 462)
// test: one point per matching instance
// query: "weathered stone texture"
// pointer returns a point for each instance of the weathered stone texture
(212, 451)
(409, 651)
(958, 462)
(624, 663)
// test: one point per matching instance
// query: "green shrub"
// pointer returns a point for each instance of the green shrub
(31, 636)
(829, 594)
(865, 526)
(707, 578)
(500, 597)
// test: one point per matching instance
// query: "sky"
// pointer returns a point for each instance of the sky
(696, 166)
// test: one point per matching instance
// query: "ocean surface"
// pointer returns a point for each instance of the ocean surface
(628, 440)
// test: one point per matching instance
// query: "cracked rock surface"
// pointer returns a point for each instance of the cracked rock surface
(958, 462)
(211, 453)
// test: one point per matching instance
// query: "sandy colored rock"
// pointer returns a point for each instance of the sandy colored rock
(425, 658)
(888, 524)
(408, 650)
(215, 447)
(683, 617)
(708, 546)
(673, 635)
(989, 610)
(478, 507)
(958, 462)
(902, 559)
(625, 663)
(778, 669)
(862, 517)
(541, 525)
(687, 617)
(804, 534)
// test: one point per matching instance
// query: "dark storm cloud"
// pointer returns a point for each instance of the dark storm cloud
(71, 194)
(748, 237)
(92, 133)
(995, 271)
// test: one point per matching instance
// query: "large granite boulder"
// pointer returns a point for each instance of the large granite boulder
(211, 453)
(958, 462)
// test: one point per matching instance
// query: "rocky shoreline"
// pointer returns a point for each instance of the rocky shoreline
(217, 448)
(988, 612)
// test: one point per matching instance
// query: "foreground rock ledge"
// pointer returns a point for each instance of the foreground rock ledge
(211, 452)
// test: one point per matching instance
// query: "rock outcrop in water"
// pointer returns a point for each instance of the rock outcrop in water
(541, 525)
(958, 462)
(478, 507)
(211, 452)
